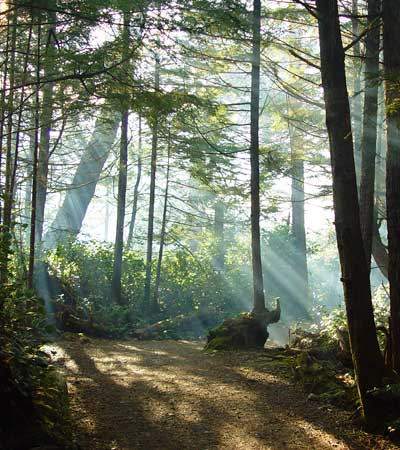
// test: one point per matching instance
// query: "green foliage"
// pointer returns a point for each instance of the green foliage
(323, 380)
(33, 394)
(189, 284)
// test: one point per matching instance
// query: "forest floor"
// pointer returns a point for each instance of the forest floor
(169, 395)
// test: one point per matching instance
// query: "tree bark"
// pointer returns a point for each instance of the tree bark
(156, 306)
(5, 237)
(299, 263)
(136, 188)
(68, 221)
(356, 103)
(153, 171)
(258, 282)
(32, 242)
(369, 133)
(219, 222)
(391, 42)
(122, 180)
(119, 233)
(367, 359)
(5, 76)
(45, 128)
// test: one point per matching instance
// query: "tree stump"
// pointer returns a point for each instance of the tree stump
(244, 332)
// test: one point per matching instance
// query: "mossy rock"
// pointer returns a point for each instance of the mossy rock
(319, 378)
(243, 332)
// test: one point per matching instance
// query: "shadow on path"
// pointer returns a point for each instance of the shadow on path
(133, 395)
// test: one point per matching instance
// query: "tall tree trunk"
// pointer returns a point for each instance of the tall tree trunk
(122, 180)
(369, 133)
(28, 184)
(45, 128)
(153, 170)
(356, 103)
(156, 307)
(5, 246)
(299, 263)
(367, 359)
(258, 283)
(219, 222)
(5, 76)
(299, 232)
(136, 188)
(68, 221)
(32, 243)
(119, 233)
(391, 43)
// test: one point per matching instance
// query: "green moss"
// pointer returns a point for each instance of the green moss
(243, 332)
(220, 343)
(320, 379)
(52, 407)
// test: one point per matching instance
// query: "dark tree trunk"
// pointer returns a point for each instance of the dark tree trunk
(258, 283)
(369, 134)
(136, 188)
(68, 221)
(119, 233)
(5, 75)
(391, 45)
(122, 181)
(366, 355)
(153, 171)
(5, 246)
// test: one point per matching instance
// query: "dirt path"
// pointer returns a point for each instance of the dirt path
(168, 395)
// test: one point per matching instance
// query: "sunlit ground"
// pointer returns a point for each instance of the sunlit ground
(170, 395)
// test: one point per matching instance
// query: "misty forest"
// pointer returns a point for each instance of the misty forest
(199, 224)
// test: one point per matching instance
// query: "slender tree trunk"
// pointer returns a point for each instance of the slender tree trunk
(258, 283)
(391, 43)
(150, 228)
(8, 193)
(68, 221)
(299, 232)
(136, 188)
(122, 181)
(219, 222)
(28, 184)
(367, 359)
(156, 306)
(119, 234)
(32, 243)
(45, 128)
(299, 263)
(369, 134)
(3, 101)
(356, 103)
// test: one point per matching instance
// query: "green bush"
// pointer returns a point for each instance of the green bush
(31, 399)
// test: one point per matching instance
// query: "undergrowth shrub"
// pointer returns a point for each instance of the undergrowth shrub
(34, 400)
(189, 284)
